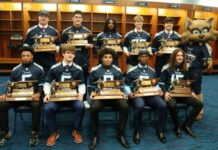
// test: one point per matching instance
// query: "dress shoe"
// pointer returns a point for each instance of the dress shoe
(188, 130)
(123, 141)
(161, 137)
(136, 137)
(94, 142)
(178, 132)
(52, 139)
(77, 136)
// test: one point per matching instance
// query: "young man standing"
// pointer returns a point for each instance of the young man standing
(45, 59)
(135, 35)
(167, 34)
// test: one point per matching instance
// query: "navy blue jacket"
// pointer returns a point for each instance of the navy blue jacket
(137, 72)
(26, 72)
(106, 35)
(168, 76)
(45, 59)
(82, 54)
(60, 73)
(131, 37)
(99, 72)
(196, 55)
(162, 35)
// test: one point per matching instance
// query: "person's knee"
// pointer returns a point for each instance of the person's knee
(200, 105)
(3, 106)
(80, 106)
(95, 106)
(48, 108)
(138, 104)
(171, 104)
(35, 105)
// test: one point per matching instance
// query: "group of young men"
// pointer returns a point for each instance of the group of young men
(74, 66)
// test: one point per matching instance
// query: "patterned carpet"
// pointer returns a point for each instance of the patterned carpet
(206, 129)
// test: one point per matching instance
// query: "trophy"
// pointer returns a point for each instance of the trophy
(45, 44)
(78, 39)
(64, 91)
(113, 44)
(20, 91)
(181, 88)
(168, 46)
(108, 90)
(137, 46)
(146, 87)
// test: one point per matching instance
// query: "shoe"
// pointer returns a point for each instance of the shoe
(178, 132)
(52, 139)
(94, 142)
(34, 139)
(121, 139)
(161, 137)
(77, 136)
(136, 138)
(188, 130)
(5, 137)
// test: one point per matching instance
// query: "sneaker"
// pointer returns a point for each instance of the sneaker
(5, 138)
(77, 136)
(34, 139)
(52, 139)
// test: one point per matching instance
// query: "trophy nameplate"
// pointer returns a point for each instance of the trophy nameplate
(78, 39)
(181, 88)
(20, 91)
(168, 46)
(137, 46)
(109, 90)
(64, 91)
(45, 44)
(113, 44)
(146, 87)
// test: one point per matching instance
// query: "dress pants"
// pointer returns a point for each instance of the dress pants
(119, 105)
(51, 108)
(155, 102)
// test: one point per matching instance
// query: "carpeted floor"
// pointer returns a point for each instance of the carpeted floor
(206, 129)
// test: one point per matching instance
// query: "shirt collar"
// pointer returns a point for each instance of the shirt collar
(135, 30)
(64, 64)
(43, 26)
(141, 66)
(171, 32)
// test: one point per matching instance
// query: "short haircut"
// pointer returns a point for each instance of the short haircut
(77, 12)
(27, 48)
(138, 18)
(168, 19)
(67, 47)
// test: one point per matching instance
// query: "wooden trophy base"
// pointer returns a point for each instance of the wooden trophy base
(78, 43)
(45, 48)
(13, 99)
(62, 99)
(167, 50)
(181, 92)
(108, 97)
(147, 91)
(117, 49)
